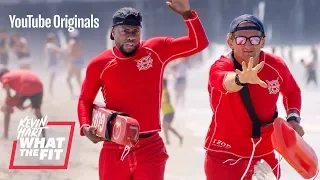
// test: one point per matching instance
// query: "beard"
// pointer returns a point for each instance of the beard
(128, 54)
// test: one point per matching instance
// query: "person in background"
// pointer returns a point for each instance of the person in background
(20, 47)
(26, 85)
(168, 114)
(180, 71)
(311, 71)
(4, 48)
(52, 52)
(130, 77)
(75, 60)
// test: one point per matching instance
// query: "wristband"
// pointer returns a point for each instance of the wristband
(237, 81)
(293, 117)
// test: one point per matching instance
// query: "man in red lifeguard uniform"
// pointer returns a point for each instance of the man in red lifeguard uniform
(130, 75)
(235, 141)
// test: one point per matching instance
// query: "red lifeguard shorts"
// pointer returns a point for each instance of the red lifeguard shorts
(216, 167)
(146, 160)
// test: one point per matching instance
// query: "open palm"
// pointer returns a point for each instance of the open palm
(179, 6)
(249, 74)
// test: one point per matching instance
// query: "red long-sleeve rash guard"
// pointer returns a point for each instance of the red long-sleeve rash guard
(231, 124)
(134, 84)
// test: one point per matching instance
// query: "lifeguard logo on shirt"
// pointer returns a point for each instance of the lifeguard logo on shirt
(273, 86)
(145, 62)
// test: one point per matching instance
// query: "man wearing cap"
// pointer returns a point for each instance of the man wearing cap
(130, 75)
(235, 142)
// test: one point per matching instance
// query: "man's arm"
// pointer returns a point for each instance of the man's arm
(89, 90)
(7, 88)
(291, 92)
(12, 101)
(291, 99)
(230, 84)
(196, 41)
(222, 77)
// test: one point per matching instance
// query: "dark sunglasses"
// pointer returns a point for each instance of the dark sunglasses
(254, 40)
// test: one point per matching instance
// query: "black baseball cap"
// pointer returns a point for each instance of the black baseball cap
(126, 16)
(234, 26)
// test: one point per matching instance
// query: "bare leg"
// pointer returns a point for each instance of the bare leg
(77, 73)
(7, 115)
(175, 132)
(315, 78)
(165, 126)
(39, 116)
(70, 74)
(309, 78)
(52, 78)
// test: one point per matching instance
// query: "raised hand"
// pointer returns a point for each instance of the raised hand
(250, 74)
(179, 6)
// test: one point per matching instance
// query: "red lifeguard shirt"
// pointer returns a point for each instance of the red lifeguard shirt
(230, 130)
(24, 82)
(134, 84)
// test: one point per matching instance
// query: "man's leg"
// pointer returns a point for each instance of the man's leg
(314, 77)
(274, 164)
(52, 78)
(77, 72)
(173, 130)
(111, 167)
(7, 112)
(165, 126)
(150, 159)
(215, 168)
(36, 102)
(69, 76)
(309, 78)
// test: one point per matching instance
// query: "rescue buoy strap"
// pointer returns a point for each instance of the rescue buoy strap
(110, 118)
(246, 99)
